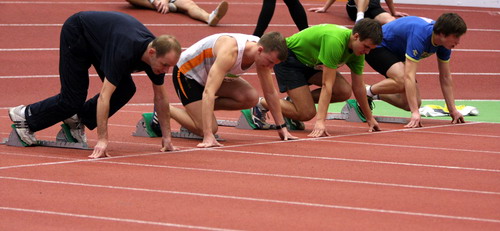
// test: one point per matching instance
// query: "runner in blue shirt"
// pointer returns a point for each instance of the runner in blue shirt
(407, 41)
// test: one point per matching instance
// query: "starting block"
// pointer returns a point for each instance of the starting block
(242, 123)
(245, 122)
(63, 140)
(143, 129)
(348, 113)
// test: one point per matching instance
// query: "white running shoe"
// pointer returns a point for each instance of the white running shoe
(17, 116)
(218, 13)
(76, 128)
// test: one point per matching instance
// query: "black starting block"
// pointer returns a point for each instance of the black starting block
(348, 113)
(64, 139)
(143, 129)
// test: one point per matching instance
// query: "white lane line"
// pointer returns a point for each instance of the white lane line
(115, 219)
(308, 178)
(413, 7)
(457, 134)
(189, 149)
(360, 160)
(262, 200)
(277, 175)
(456, 74)
(57, 49)
(225, 149)
(197, 25)
(411, 146)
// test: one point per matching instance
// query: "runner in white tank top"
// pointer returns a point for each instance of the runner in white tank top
(196, 61)
(199, 80)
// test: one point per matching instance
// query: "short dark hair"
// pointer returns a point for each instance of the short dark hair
(450, 24)
(368, 29)
(164, 44)
(274, 41)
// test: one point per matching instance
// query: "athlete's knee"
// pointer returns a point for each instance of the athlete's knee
(343, 96)
(248, 99)
(306, 114)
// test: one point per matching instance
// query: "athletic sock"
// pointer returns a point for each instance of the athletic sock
(370, 93)
(359, 16)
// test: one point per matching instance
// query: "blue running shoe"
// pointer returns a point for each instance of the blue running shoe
(256, 118)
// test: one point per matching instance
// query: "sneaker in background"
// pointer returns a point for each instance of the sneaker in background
(218, 13)
(17, 115)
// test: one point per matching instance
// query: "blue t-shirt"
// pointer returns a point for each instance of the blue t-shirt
(411, 37)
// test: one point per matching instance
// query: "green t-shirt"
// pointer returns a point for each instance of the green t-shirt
(325, 44)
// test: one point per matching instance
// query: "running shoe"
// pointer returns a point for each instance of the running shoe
(76, 128)
(155, 125)
(218, 13)
(354, 104)
(17, 115)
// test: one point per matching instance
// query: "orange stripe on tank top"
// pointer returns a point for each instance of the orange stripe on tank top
(192, 63)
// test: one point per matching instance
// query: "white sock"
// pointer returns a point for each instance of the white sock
(359, 16)
(370, 93)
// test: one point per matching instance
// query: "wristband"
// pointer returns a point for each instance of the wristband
(281, 126)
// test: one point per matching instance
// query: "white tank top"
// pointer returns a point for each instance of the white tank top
(196, 61)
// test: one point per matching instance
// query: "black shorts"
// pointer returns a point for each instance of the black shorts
(381, 59)
(371, 12)
(188, 90)
(292, 74)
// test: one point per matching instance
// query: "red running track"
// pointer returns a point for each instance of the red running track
(439, 177)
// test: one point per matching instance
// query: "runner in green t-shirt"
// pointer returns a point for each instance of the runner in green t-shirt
(314, 56)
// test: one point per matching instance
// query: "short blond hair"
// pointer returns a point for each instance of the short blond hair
(166, 43)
